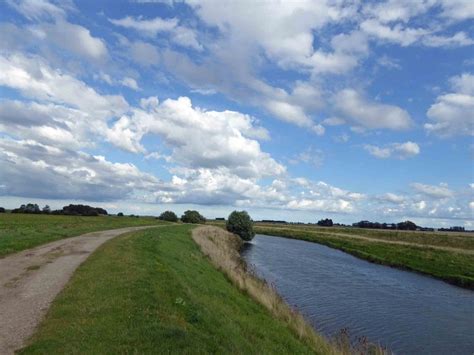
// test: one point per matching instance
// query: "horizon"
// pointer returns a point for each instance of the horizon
(343, 110)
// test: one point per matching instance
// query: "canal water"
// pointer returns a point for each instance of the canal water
(404, 311)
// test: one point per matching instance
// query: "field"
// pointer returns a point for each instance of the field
(23, 231)
(442, 255)
(153, 291)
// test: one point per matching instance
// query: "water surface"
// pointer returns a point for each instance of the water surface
(407, 312)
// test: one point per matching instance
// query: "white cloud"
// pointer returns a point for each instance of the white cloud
(130, 83)
(370, 114)
(73, 38)
(199, 138)
(37, 9)
(144, 53)
(453, 113)
(35, 79)
(31, 169)
(393, 198)
(458, 9)
(180, 35)
(396, 150)
(459, 39)
(433, 191)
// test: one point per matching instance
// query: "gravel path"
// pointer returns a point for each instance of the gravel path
(31, 279)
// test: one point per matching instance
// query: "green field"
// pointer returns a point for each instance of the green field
(153, 291)
(454, 264)
(23, 231)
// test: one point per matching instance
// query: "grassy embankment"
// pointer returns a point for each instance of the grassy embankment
(154, 291)
(454, 264)
(23, 231)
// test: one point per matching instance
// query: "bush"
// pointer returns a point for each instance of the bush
(325, 223)
(169, 216)
(241, 224)
(28, 208)
(191, 216)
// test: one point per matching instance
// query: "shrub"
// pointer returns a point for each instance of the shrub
(169, 216)
(191, 216)
(240, 223)
(28, 208)
(325, 222)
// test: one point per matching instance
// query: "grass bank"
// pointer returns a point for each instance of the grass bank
(453, 267)
(23, 231)
(463, 240)
(154, 291)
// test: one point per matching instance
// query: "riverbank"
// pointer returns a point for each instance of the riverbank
(154, 291)
(454, 267)
(222, 248)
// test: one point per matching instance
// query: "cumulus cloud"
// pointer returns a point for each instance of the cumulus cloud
(433, 191)
(180, 35)
(73, 38)
(31, 169)
(370, 114)
(199, 138)
(36, 79)
(453, 113)
(396, 150)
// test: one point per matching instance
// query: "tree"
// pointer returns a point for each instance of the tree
(46, 209)
(192, 216)
(2, 210)
(240, 223)
(169, 216)
(407, 225)
(120, 214)
(325, 222)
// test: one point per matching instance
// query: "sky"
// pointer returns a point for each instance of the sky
(291, 110)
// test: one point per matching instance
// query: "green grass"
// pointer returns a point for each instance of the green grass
(23, 231)
(452, 267)
(442, 239)
(153, 291)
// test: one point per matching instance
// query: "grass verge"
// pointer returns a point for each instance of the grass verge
(153, 291)
(23, 231)
(452, 267)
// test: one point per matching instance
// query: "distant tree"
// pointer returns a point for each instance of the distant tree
(407, 225)
(46, 209)
(240, 223)
(82, 210)
(192, 216)
(120, 214)
(325, 222)
(2, 210)
(28, 208)
(169, 216)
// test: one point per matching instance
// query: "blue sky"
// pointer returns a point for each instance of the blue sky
(290, 110)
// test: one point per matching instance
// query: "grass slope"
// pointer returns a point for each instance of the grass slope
(23, 231)
(452, 267)
(155, 292)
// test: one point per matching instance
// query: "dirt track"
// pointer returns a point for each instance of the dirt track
(31, 279)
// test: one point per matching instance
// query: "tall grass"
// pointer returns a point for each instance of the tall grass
(222, 248)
